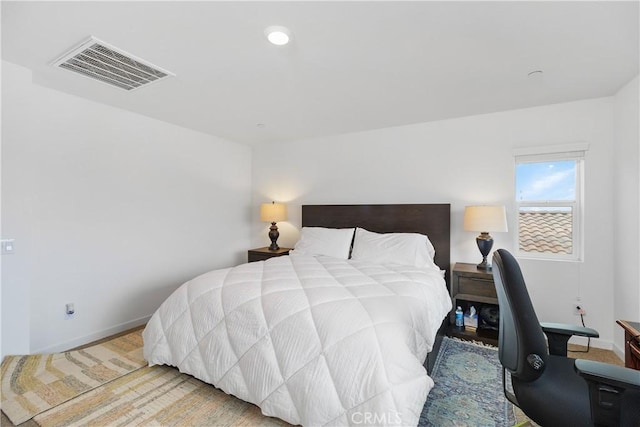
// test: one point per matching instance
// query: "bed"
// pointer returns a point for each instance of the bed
(315, 338)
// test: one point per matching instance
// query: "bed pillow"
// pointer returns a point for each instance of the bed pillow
(393, 248)
(334, 242)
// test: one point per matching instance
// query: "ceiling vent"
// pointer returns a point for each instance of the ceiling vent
(108, 64)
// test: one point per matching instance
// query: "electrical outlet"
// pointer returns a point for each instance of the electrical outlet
(578, 309)
(69, 311)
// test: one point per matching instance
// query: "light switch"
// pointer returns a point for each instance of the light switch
(8, 246)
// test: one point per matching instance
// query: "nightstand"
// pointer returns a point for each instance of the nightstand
(471, 286)
(262, 254)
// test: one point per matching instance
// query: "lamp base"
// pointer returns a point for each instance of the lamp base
(485, 243)
(273, 235)
(484, 265)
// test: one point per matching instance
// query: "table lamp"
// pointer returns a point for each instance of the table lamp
(485, 219)
(273, 212)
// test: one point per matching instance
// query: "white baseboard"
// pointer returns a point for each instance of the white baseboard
(77, 342)
(618, 352)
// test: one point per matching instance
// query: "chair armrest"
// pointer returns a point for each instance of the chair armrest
(558, 335)
(614, 393)
(608, 374)
(564, 329)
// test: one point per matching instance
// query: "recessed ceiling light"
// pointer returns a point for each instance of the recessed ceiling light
(278, 35)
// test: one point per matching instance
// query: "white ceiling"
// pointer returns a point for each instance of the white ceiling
(352, 66)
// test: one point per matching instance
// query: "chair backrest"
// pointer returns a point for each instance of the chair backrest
(522, 347)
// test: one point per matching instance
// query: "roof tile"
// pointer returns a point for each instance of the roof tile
(546, 232)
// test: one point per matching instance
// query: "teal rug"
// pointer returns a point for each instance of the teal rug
(468, 390)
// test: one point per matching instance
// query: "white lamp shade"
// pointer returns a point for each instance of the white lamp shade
(485, 218)
(273, 212)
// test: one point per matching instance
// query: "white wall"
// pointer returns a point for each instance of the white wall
(461, 161)
(110, 210)
(626, 189)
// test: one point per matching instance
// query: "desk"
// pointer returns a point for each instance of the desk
(631, 343)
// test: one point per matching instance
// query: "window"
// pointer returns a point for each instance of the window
(549, 205)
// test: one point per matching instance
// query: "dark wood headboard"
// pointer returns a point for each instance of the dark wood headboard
(433, 220)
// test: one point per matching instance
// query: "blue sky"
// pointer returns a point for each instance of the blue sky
(546, 181)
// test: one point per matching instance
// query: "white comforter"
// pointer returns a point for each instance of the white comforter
(313, 341)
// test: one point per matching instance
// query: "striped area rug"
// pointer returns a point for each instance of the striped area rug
(35, 383)
(156, 396)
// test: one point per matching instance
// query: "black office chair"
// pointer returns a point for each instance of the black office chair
(552, 389)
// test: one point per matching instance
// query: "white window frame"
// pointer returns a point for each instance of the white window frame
(574, 152)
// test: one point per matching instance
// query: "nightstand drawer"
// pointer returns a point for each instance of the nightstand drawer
(473, 286)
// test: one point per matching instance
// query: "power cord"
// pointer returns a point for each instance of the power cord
(581, 312)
